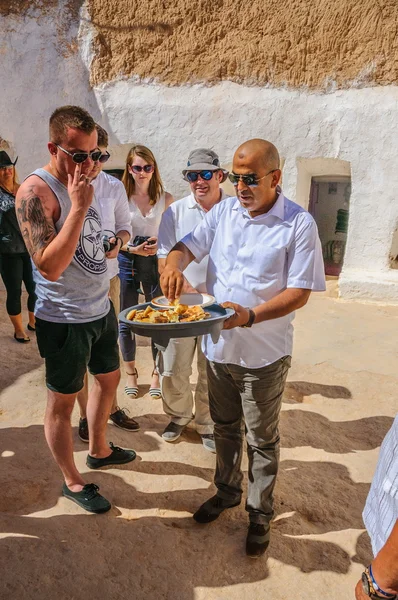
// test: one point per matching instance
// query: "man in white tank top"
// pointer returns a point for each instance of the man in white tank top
(76, 326)
(204, 174)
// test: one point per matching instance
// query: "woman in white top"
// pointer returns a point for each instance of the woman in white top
(138, 266)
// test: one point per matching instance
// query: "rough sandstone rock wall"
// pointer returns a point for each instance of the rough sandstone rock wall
(321, 44)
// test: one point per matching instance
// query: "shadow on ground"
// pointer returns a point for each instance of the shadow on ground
(113, 555)
(296, 391)
(307, 428)
(19, 358)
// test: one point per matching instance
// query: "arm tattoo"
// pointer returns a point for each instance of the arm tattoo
(37, 230)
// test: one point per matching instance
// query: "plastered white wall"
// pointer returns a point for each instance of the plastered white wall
(38, 73)
(357, 126)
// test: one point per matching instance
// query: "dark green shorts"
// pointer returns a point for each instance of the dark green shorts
(70, 348)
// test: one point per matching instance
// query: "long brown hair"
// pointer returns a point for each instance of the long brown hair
(156, 188)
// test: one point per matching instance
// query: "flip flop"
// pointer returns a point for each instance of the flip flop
(21, 340)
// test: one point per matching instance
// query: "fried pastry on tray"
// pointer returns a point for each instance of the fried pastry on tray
(195, 310)
(195, 318)
(181, 314)
(157, 317)
(148, 311)
(180, 309)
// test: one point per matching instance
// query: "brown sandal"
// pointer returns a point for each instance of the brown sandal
(132, 392)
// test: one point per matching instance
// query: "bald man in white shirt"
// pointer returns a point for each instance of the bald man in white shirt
(265, 258)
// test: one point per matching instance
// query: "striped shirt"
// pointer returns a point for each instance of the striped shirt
(381, 509)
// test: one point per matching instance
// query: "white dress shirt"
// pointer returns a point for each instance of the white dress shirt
(381, 509)
(114, 210)
(252, 260)
(179, 219)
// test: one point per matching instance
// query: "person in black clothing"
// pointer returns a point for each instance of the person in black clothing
(15, 264)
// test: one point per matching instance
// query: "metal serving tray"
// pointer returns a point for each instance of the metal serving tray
(161, 333)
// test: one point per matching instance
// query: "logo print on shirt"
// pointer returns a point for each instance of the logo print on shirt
(90, 251)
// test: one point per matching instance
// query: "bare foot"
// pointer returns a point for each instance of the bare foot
(132, 380)
(155, 381)
(32, 320)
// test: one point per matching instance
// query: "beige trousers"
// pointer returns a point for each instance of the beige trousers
(175, 368)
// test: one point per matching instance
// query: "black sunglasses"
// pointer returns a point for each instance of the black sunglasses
(251, 179)
(192, 176)
(104, 157)
(80, 157)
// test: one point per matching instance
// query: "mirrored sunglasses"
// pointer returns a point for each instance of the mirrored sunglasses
(80, 157)
(145, 168)
(192, 176)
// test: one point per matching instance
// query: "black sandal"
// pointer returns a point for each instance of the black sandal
(21, 340)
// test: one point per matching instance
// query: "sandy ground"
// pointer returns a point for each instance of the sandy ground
(339, 403)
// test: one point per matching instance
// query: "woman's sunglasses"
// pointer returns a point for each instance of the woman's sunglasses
(80, 157)
(145, 168)
(250, 180)
(192, 176)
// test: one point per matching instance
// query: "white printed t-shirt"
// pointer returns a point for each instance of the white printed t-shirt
(113, 206)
